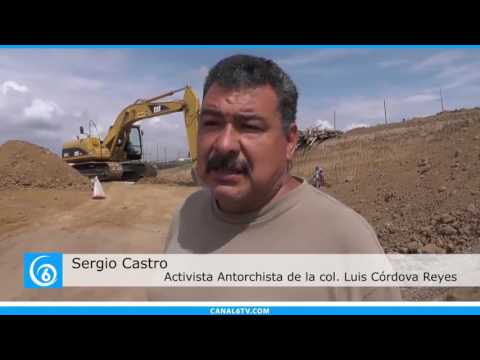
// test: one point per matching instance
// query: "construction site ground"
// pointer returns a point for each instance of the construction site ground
(417, 183)
(134, 218)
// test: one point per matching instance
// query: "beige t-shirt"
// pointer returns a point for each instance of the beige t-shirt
(304, 221)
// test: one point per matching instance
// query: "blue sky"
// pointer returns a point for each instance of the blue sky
(46, 94)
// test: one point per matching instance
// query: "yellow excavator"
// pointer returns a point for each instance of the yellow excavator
(119, 155)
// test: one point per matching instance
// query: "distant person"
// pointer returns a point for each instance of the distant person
(318, 177)
(250, 203)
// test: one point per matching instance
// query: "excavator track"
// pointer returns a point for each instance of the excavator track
(111, 171)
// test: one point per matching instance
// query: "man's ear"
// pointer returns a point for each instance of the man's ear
(292, 140)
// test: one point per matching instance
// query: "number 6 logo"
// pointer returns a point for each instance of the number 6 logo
(45, 275)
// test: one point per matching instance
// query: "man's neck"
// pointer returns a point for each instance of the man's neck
(289, 184)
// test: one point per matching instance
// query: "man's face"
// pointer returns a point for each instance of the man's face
(242, 148)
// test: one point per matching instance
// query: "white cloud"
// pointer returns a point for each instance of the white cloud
(91, 84)
(349, 110)
(100, 129)
(12, 85)
(359, 111)
(323, 124)
(193, 76)
(79, 83)
(41, 109)
(392, 63)
(166, 122)
(420, 98)
(452, 71)
(462, 81)
(203, 71)
(439, 59)
(319, 56)
(361, 107)
(356, 111)
(355, 125)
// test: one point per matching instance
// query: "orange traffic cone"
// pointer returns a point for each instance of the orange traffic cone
(98, 192)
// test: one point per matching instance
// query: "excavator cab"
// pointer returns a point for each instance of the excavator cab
(134, 147)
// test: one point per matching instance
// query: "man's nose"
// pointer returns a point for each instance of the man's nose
(228, 140)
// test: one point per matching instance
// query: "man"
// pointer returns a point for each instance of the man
(318, 177)
(249, 202)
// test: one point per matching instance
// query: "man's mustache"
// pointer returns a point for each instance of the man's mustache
(227, 162)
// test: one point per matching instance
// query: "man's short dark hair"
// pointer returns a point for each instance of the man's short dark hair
(246, 71)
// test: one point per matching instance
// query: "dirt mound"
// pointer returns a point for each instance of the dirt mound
(181, 175)
(25, 165)
(417, 183)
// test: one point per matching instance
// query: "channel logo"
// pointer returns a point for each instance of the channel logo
(42, 270)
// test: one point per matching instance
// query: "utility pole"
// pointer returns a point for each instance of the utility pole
(441, 100)
(165, 154)
(334, 121)
(385, 109)
(158, 158)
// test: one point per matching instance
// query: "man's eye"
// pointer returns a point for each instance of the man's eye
(210, 123)
(251, 127)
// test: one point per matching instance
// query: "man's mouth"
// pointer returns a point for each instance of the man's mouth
(227, 175)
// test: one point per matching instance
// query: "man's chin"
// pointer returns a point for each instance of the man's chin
(228, 193)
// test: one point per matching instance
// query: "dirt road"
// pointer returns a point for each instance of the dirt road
(133, 218)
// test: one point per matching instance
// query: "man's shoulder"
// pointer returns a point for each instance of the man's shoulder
(202, 195)
(189, 213)
(199, 200)
(336, 219)
(320, 198)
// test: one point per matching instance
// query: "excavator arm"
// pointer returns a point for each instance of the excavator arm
(191, 116)
(117, 135)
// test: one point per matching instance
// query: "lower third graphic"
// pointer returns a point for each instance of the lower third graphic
(42, 270)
